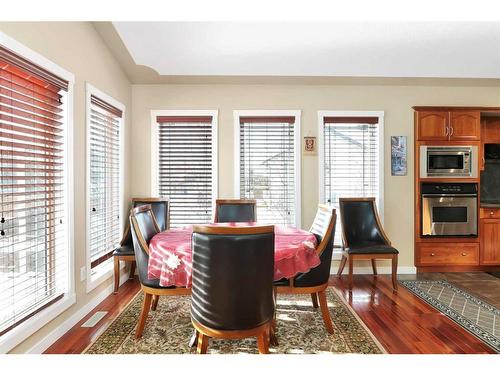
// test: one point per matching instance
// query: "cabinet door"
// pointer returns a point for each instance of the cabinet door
(465, 125)
(432, 125)
(490, 241)
(491, 130)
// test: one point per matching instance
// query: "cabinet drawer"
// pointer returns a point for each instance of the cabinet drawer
(449, 254)
(490, 212)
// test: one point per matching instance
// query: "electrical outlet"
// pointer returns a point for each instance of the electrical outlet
(83, 273)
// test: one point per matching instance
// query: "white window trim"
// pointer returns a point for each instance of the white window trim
(297, 145)
(321, 145)
(20, 333)
(154, 146)
(105, 270)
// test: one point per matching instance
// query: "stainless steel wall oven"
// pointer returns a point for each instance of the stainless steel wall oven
(449, 209)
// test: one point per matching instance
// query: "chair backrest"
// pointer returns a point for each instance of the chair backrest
(161, 211)
(233, 272)
(235, 210)
(323, 227)
(143, 227)
(361, 226)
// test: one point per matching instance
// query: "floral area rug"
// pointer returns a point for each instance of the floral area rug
(300, 330)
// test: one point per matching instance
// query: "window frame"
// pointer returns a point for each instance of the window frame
(297, 152)
(105, 269)
(18, 334)
(155, 178)
(321, 159)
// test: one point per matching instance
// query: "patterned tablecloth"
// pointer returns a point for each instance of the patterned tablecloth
(170, 257)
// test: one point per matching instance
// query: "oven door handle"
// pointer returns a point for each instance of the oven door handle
(450, 195)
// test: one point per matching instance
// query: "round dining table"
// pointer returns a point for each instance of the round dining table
(170, 256)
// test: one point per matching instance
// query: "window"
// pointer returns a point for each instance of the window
(268, 164)
(187, 165)
(351, 159)
(34, 213)
(104, 145)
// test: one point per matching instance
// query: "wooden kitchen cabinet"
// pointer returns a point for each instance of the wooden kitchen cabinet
(432, 126)
(448, 254)
(465, 125)
(448, 125)
(491, 130)
(490, 241)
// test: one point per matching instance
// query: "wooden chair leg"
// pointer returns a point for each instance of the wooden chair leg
(132, 270)
(263, 343)
(351, 271)
(273, 340)
(144, 315)
(374, 266)
(341, 265)
(202, 344)
(395, 272)
(154, 304)
(324, 311)
(314, 298)
(116, 274)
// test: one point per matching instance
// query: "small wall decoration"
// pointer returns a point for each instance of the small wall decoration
(399, 154)
(309, 145)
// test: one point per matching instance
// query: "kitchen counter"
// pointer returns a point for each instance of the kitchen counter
(489, 205)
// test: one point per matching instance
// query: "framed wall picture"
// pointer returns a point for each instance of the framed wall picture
(399, 154)
(309, 145)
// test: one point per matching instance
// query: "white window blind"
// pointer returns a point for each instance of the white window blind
(186, 167)
(33, 222)
(351, 160)
(267, 167)
(104, 186)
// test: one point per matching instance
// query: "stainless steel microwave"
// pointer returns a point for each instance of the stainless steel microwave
(448, 161)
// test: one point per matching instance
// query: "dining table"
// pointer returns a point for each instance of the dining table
(170, 255)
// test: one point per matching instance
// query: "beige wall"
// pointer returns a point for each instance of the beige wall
(76, 47)
(395, 101)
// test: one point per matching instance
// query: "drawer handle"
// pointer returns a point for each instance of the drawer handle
(491, 212)
(433, 254)
(464, 254)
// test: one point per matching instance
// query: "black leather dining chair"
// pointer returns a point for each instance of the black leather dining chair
(315, 281)
(232, 289)
(235, 210)
(143, 226)
(161, 210)
(363, 236)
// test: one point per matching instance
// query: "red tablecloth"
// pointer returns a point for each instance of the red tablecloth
(170, 257)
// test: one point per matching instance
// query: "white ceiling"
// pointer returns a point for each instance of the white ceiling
(448, 50)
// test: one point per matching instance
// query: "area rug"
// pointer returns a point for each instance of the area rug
(476, 316)
(496, 274)
(300, 330)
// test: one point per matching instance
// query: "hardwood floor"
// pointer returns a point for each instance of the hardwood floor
(402, 322)
(78, 338)
(399, 320)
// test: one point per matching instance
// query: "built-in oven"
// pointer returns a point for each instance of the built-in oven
(448, 161)
(449, 209)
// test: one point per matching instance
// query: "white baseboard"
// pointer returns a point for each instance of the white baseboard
(380, 270)
(65, 326)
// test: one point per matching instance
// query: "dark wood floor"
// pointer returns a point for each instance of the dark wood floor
(78, 338)
(404, 324)
(400, 321)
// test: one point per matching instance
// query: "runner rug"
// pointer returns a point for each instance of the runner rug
(476, 316)
(300, 330)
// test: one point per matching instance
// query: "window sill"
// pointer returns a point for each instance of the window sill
(20, 333)
(101, 273)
